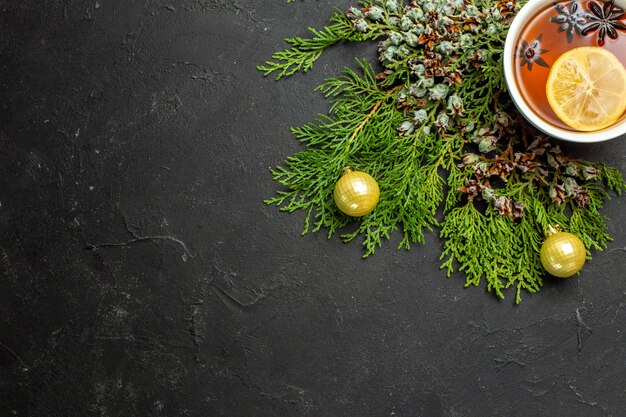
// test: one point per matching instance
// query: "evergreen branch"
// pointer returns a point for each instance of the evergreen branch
(493, 247)
(436, 128)
(367, 119)
(290, 62)
(333, 144)
(305, 51)
(612, 178)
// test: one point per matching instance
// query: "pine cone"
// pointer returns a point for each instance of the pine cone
(508, 207)
(502, 167)
(525, 161)
(472, 188)
(557, 194)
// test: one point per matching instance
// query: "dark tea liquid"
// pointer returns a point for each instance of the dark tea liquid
(555, 29)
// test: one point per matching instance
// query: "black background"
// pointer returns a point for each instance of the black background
(141, 274)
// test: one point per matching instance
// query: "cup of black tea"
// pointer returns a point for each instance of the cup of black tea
(564, 65)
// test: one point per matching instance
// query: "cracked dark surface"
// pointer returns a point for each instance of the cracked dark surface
(142, 275)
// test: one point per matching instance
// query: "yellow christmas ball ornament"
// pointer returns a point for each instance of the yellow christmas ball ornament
(356, 193)
(562, 254)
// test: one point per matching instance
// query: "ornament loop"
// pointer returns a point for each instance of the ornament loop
(553, 229)
(346, 170)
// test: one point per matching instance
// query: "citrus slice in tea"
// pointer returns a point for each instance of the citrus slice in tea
(586, 88)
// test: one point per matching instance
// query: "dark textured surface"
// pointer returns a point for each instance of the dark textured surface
(141, 275)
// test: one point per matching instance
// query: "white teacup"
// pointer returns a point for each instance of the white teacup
(527, 12)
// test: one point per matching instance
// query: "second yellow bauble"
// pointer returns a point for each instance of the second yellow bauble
(562, 254)
(356, 193)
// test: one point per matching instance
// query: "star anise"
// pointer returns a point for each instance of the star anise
(569, 21)
(604, 19)
(529, 53)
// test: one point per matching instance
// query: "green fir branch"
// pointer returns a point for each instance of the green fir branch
(305, 51)
(491, 247)
(437, 131)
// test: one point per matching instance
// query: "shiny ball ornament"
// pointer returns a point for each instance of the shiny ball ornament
(562, 254)
(356, 193)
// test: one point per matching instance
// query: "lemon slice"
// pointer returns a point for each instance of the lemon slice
(586, 88)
